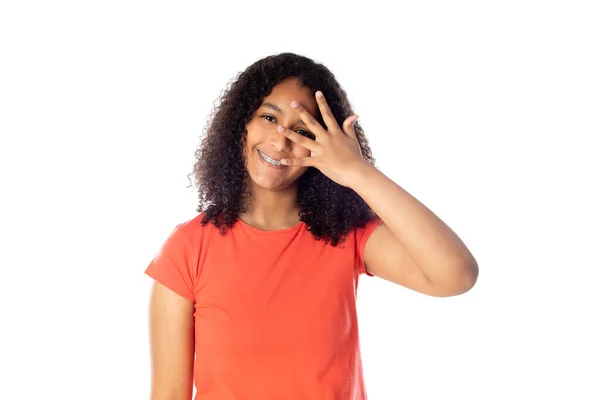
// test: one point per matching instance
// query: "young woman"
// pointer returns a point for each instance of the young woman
(261, 285)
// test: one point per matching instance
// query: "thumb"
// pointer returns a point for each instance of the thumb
(348, 126)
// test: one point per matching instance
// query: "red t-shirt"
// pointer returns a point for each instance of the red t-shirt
(275, 311)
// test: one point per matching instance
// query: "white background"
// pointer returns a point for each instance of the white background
(487, 112)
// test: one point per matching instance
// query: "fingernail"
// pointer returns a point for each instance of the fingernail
(319, 94)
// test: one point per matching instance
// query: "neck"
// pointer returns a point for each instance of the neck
(272, 210)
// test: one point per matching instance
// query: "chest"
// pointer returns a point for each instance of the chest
(274, 298)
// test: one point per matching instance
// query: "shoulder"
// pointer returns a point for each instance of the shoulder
(188, 233)
(192, 227)
(364, 231)
(362, 235)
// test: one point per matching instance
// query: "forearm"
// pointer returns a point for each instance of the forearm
(440, 253)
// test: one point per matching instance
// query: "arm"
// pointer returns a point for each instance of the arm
(413, 247)
(171, 344)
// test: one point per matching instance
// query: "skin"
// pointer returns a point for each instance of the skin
(412, 247)
(171, 344)
(273, 206)
(273, 191)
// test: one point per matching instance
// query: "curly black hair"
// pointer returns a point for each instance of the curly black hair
(329, 210)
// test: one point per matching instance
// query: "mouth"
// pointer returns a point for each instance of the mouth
(270, 161)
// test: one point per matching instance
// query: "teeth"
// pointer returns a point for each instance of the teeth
(269, 159)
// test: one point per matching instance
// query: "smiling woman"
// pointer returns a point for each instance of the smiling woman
(228, 168)
(265, 146)
(261, 284)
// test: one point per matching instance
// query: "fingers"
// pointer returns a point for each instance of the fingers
(295, 137)
(298, 162)
(349, 126)
(328, 117)
(308, 119)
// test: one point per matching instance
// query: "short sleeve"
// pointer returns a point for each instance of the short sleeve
(172, 265)
(362, 235)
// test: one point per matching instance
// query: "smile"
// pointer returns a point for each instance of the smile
(270, 160)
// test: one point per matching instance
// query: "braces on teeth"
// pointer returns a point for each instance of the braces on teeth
(269, 159)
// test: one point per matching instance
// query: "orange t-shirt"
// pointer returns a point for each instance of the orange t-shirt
(275, 311)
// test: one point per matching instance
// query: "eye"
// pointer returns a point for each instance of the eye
(300, 131)
(268, 116)
(307, 134)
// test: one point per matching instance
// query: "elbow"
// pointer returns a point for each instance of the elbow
(468, 279)
(461, 282)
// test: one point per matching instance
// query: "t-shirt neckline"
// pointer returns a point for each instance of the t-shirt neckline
(274, 232)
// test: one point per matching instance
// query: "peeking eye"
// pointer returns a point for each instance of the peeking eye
(307, 134)
(270, 118)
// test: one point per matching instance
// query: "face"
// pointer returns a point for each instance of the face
(265, 146)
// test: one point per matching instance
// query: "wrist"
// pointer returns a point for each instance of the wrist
(361, 176)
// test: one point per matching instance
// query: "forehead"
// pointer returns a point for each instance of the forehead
(289, 90)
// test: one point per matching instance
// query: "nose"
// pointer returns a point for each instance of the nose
(279, 142)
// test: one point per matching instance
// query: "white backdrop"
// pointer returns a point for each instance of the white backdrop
(487, 112)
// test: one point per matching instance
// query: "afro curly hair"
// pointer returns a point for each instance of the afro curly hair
(330, 211)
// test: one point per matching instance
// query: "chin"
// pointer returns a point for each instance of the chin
(272, 186)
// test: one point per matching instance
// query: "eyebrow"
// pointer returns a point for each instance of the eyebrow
(279, 110)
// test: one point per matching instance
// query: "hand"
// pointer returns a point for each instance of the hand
(335, 151)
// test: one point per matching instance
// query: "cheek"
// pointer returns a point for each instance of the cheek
(256, 134)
